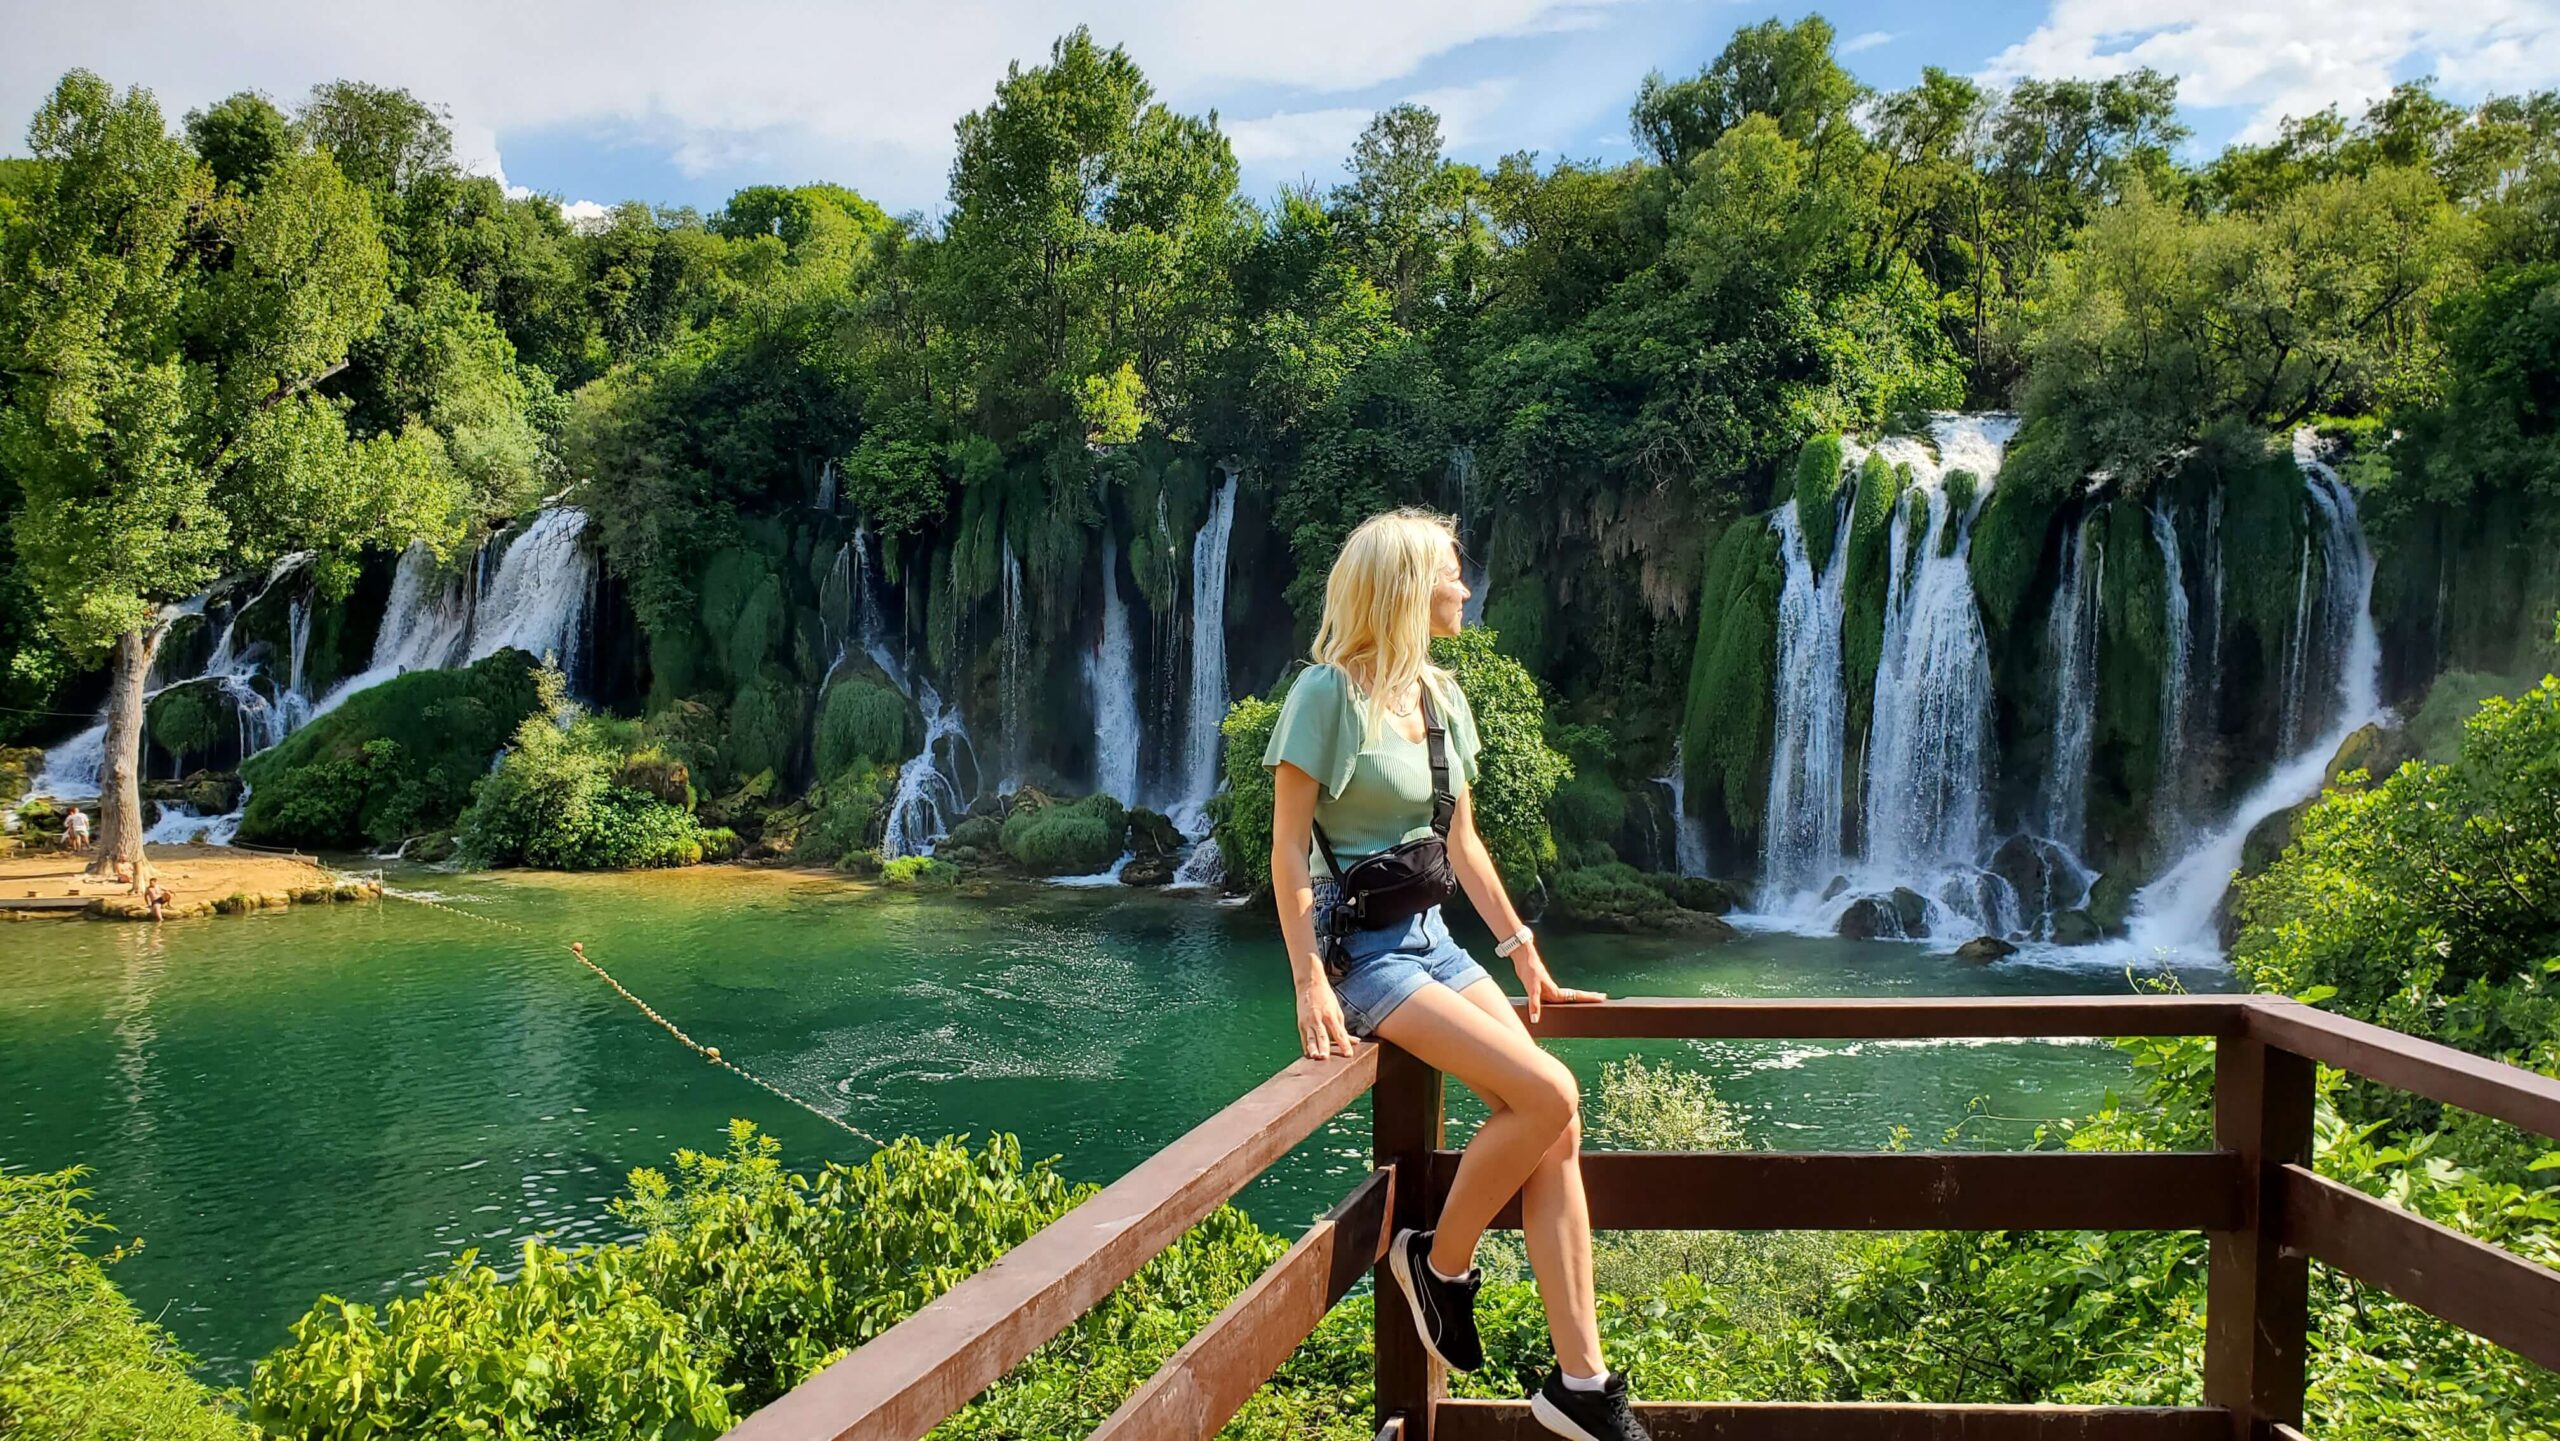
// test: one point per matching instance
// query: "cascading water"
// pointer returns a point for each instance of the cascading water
(1111, 686)
(2175, 913)
(1689, 835)
(1208, 659)
(932, 792)
(1800, 838)
(826, 500)
(1929, 750)
(2297, 652)
(1015, 666)
(2177, 681)
(536, 602)
(2071, 637)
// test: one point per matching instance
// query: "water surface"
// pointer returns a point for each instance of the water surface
(342, 1099)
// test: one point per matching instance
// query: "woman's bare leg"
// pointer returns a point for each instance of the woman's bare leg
(1555, 1221)
(1531, 1133)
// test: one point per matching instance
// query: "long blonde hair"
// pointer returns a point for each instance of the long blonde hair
(1377, 606)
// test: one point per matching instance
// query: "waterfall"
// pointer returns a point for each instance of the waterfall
(1208, 658)
(1014, 666)
(2177, 679)
(1800, 831)
(2209, 696)
(1689, 835)
(932, 794)
(537, 600)
(835, 606)
(1930, 747)
(2072, 651)
(1111, 686)
(826, 487)
(2297, 647)
(2176, 911)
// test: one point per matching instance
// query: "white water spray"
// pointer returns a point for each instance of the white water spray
(1111, 687)
(2071, 645)
(1208, 659)
(1800, 832)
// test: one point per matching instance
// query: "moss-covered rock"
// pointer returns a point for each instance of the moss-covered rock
(2009, 542)
(2372, 748)
(1696, 893)
(390, 762)
(1727, 730)
(1867, 577)
(864, 720)
(2076, 928)
(1067, 838)
(1817, 494)
(766, 720)
(2111, 901)
(1589, 807)
(923, 873)
(1617, 897)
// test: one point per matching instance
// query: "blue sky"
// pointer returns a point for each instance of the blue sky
(602, 100)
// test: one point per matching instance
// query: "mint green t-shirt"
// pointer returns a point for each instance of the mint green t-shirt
(1368, 798)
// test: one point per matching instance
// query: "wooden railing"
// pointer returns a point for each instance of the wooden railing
(2265, 1213)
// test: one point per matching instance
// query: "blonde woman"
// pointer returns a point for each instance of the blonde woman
(1352, 761)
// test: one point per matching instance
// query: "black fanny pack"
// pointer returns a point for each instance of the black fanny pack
(1406, 879)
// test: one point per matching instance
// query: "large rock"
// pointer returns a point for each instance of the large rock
(2075, 928)
(1982, 950)
(2039, 871)
(2268, 838)
(1145, 870)
(1911, 910)
(2110, 901)
(2373, 748)
(1695, 893)
(1869, 918)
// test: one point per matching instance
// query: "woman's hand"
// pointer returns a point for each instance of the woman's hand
(1541, 987)
(1321, 1028)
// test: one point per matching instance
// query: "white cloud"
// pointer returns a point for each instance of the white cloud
(1868, 41)
(1324, 137)
(771, 81)
(2292, 57)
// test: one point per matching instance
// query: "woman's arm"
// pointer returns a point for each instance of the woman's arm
(1483, 885)
(1321, 1027)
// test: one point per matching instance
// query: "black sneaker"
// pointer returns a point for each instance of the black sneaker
(1601, 1415)
(1443, 1311)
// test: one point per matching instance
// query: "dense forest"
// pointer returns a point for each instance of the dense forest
(1031, 486)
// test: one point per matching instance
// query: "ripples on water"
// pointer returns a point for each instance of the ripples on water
(344, 1099)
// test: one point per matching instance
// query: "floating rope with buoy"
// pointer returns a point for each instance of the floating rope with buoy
(708, 1053)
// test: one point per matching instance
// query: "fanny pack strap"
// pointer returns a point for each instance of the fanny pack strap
(1444, 803)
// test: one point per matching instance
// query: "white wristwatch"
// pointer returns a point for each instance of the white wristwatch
(1512, 942)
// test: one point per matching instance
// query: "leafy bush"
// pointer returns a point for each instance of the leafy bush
(1067, 838)
(555, 800)
(77, 1362)
(1240, 813)
(1517, 772)
(921, 872)
(765, 722)
(393, 761)
(182, 719)
(845, 815)
(1613, 896)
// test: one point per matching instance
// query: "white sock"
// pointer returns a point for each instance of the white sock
(1434, 1268)
(1584, 1383)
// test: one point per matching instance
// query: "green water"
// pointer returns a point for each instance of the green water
(341, 1099)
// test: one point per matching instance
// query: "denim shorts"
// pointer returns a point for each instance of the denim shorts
(1389, 964)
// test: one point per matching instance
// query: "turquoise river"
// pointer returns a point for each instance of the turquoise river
(343, 1099)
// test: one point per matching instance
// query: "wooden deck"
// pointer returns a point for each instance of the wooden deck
(2265, 1213)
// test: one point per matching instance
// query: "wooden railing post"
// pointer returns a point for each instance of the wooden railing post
(1405, 1128)
(2257, 1297)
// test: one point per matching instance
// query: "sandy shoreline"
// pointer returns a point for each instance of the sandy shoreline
(203, 880)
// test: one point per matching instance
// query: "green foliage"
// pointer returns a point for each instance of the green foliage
(766, 720)
(2419, 898)
(1240, 815)
(1589, 807)
(393, 761)
(1816, 492)
(845, 816)
(77, 1361)
(558, 800)
(182, 719)
(1066, 838)
(1727, 730)
(921, 873)
(864, 722)
(1516, 771)
(1614, 896)
(1868, 577)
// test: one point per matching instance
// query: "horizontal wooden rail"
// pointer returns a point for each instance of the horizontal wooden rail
(2438, 1072)
(906, 1381)
(1916, 1018)
(1218, 1370)
(2491, 1293)
(1905, 1191)
(1812, 1421)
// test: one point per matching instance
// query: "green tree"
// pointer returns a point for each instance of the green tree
(164, 343)
(240, 139)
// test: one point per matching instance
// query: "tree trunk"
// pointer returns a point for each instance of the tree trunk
(120, 771)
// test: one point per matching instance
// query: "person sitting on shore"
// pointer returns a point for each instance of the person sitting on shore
(157, 897)
(75, 831)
